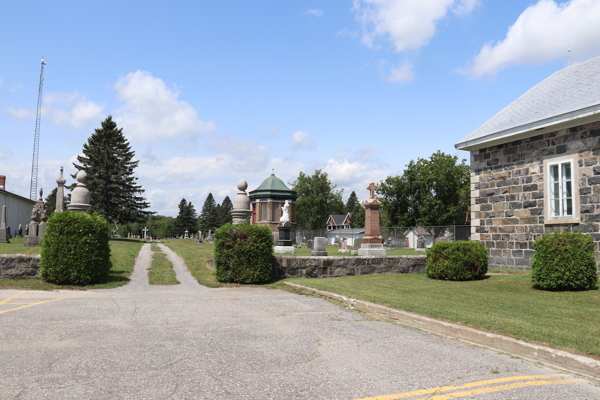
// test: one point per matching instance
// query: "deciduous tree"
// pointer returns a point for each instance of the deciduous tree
(317, 199)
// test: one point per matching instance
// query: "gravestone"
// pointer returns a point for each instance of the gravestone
(80, 196)
(209, 238)
(372, 243)
(357, 242)
(3, 234)
(309, 244)
(241, 206)
(186, 234)
(60, 192)
(20, 231)
(344, 246)
(284, 239)
(145, 231)
(319, 248)
(37, 224)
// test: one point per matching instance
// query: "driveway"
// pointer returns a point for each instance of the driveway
(192, 342)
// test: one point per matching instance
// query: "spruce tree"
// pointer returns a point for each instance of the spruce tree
(107, 160)
(209, 217)
(352, 203)
(186, 219)
(225, 211)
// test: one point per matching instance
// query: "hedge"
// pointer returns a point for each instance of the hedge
(459, 261)
(564, 261)
(243, 253)
(75, 249)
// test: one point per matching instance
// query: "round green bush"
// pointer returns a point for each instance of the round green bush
(564, 261)
(243, 253)
(459, 261)
(75, 249)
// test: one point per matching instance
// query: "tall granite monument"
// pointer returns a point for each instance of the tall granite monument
(372, 244)
(3, 234)
(284, 241)
(60, 192)
(38, 222)
(80, 196)
(241, 206)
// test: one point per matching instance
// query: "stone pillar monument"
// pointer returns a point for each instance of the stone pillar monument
(60, 192)
(80, 196)
(36, 226)
(3, 235)
(241, 206)
(372, 242)
(284, 243)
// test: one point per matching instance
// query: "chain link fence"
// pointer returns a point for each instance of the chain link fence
(403, 237)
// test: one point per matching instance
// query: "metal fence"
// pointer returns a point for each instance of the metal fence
(404, 237)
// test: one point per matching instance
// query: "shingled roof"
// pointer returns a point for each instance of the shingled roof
(567, 95)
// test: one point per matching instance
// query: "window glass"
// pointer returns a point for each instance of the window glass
(561, 189)
(264, 214)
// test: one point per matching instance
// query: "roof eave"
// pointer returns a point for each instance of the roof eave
(563, 121)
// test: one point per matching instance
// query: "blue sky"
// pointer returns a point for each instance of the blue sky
(210, 92)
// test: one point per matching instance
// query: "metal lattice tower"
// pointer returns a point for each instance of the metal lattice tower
(36, 139)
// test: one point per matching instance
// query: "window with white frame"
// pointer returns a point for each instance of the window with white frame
(560, 180)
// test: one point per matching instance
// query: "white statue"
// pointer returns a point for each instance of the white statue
(286, 210)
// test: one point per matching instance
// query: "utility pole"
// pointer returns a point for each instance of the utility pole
(36, 139)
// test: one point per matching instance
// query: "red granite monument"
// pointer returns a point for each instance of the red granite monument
(372, 243)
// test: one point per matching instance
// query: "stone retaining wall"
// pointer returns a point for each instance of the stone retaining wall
(327, 267)
(18, 266)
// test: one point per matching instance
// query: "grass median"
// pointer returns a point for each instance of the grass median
(195, 256)
(123, 254)
(161, 272)
(505, 304)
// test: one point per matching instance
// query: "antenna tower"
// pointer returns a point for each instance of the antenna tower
(36, 139)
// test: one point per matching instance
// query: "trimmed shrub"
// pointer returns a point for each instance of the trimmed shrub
(243, 253)
(564, 261)
(75, 249)
(458, 261)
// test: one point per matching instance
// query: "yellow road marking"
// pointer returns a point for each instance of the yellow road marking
(39, 302)
(465, 386)
(502, 387)
(10, 298)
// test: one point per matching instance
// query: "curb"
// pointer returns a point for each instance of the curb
(534, 352)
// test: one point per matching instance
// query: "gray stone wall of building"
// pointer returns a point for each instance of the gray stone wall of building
(327, 267)
(507, 193)
(18, 266)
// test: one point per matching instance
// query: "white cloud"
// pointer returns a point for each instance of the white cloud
(15, 88)
(274, 129)
(402, 74)
(303, 140)
(316, 13)
(20, 113)
(71, 108)
(542, 33)
(153, 112)
(407, 24)
(345, 32)
(465, 7)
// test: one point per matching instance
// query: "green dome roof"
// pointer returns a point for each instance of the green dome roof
(273, 187)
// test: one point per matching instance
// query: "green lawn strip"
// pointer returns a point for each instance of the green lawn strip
(335, 252)
(505, 304)
(17, 246)
(161, 272)
(154, 247)
(123, 254)
(194, 255)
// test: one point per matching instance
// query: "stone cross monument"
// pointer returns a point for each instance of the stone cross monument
(60, 192)
(80, 196)
(3, 236)
(241, 207)
(145, 231)
(372, 244)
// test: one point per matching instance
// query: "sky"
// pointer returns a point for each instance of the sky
(208, 92)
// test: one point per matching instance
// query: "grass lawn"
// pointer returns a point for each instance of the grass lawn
(194, 255)
(506, 304)
(17, 246)
(161, 272)
(123, 254)
(334, 251)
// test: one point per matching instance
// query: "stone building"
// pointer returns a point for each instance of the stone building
(266, 203)
(18, 208)
(535, 167)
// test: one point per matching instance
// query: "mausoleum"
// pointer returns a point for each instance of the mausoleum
(267, 201)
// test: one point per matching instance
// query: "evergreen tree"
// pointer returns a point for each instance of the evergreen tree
(51, 202)
(352, 203)
(225, 211)
(186, 219)
(107, 160)
(209, 217)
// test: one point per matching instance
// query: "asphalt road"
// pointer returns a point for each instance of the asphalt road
(191, 342)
